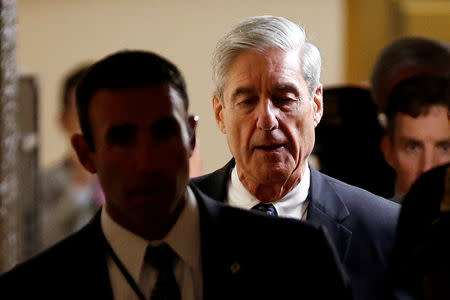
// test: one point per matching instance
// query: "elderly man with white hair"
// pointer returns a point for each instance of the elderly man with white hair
(268, 101)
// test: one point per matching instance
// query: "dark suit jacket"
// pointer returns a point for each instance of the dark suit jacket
(245, 255)
(423, 236)
(361, 225)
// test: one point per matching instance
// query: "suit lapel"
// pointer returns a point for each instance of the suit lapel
(327, 209)
(220, 266)
(215, 185)
(97, 274)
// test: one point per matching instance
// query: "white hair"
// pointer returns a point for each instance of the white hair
(260, 33)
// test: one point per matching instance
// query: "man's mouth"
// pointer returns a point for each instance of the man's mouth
(148, 192)
(273, 147)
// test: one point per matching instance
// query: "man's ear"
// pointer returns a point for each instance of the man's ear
(318, 105)
(218, 107)
(386, 148)
(83, 152)
(193, 122)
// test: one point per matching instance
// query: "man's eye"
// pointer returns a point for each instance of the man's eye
(282, 100)
(248, 101)
(412, 146)
(165, 130)
(120, 136)
(445, 147)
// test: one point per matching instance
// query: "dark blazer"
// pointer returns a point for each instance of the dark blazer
(361, 225)
(423, 244)
(245, 255)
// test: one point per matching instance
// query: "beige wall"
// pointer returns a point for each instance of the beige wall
(55, 35)
(373, 24)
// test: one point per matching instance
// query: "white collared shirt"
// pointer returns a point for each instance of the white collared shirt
(183, 238)
(292, 205)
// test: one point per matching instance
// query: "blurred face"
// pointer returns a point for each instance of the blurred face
(141, 152)
(269, 117)
(418, 145)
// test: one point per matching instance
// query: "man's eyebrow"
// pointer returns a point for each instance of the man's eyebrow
(161, 123)
(115, 127)
(287, 87)
(242, 91)
(119, 129)
(443, 141)
(409, 139)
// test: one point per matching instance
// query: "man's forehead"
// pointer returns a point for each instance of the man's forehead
(430, 125)
(136, 105)
(158, 94)
(436, 112)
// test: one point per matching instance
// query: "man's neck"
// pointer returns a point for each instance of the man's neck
(147, 226)
(398, 195)
(272, 192)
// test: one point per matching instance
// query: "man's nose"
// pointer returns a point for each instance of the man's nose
(146, 157)
(266, 115)
(430, 160)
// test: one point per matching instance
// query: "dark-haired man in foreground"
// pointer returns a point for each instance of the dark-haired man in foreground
(157, 237)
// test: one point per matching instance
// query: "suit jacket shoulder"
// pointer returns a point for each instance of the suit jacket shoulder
(215, 184)
(360, 206)
(75, 268)
(422, 243)
(362, 226)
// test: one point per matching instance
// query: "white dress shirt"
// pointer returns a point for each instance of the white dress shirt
(292, 205)
(183, 238)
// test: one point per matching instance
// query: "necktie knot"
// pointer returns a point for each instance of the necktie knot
(161, 257)
(266, 208)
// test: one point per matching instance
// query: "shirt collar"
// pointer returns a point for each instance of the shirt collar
(128, 246)
(289, 206)
(183, 238)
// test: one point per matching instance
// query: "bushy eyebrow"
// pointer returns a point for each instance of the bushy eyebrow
(242, 91)
(443, 142)
(115, 130)
(280, 88)
(287, 88)
(164, 123)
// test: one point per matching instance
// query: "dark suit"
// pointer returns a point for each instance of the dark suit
(361, 225)
(422, 245)
(244, 256)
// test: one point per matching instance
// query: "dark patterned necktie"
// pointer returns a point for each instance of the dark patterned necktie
(267, 208)
(162, 258)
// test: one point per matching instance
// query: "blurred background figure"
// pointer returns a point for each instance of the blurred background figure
(70, 194)
(348, 140)
(410, 85)
(420, 266)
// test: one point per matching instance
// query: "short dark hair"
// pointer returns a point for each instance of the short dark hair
(125, 69)
(416, 95)
(405, 58)
(69, 83)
